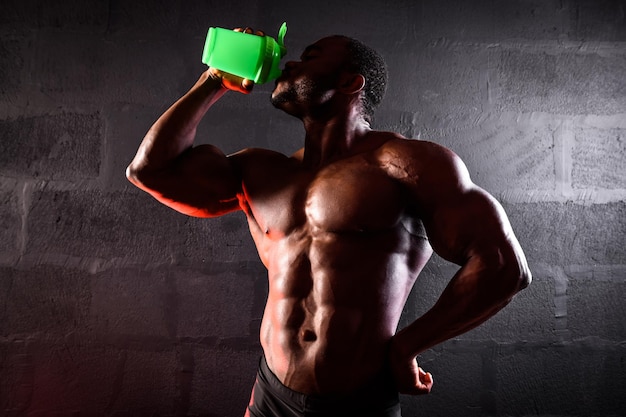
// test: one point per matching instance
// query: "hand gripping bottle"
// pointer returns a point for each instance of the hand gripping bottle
(246, 55)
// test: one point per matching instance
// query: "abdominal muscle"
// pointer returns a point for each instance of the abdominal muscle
(333, 305)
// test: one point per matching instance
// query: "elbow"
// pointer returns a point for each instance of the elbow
(510, 270)
(508, 281)
(132, 174)
(137, 176)
(517, 274)
(524, 278)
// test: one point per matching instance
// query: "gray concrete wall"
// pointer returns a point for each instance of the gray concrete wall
(113, 305)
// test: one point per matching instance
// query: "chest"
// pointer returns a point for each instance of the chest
(347, 196)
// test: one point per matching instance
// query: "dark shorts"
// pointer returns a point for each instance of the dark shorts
(270, 398)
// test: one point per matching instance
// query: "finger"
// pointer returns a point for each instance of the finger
(247, 84)
(248, 30)
(238, 30)
(428, 380)
(260, 33)
(216, 74)
(418, 389)
(244, 87)
(425, 376)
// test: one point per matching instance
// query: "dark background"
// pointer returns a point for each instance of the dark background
(113, 305)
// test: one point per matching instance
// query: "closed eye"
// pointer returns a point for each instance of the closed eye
(310, 52)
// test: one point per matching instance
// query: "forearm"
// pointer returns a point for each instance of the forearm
(476, 293)
(175, 130)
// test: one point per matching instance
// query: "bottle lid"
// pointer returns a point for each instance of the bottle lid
(274, 51)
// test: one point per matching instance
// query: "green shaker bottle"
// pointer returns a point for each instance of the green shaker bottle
(243, 54)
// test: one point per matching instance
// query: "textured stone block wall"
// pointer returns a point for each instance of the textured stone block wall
(113, 305)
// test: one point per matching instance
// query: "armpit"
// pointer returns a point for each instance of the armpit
(415, 227)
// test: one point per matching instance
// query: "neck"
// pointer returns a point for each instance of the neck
(331, 139)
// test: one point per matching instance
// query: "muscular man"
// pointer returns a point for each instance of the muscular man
(344, 227)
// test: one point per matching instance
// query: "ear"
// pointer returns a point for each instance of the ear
(352, 83)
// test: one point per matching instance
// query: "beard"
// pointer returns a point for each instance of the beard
(284, 96)
(302, 95)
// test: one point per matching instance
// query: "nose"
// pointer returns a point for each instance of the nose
(289, 65)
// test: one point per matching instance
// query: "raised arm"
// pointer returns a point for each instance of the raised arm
(467, 226)
(198, 181)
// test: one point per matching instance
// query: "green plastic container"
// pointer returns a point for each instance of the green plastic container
(246, 55)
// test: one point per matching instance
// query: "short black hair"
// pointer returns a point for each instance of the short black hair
(369, 63)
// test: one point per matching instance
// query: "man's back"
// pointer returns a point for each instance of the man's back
(342, 247)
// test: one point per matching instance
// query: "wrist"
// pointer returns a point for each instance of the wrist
(415, 338)
(210, 81)
(400, 346)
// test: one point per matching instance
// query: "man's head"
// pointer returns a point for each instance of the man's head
(336, 64)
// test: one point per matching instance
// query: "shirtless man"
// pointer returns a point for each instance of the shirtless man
(344, 227)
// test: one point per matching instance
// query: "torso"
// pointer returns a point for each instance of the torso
(342, 248)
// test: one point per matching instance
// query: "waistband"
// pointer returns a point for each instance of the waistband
(379, 394)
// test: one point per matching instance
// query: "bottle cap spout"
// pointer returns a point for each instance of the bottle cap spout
(281, 39)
